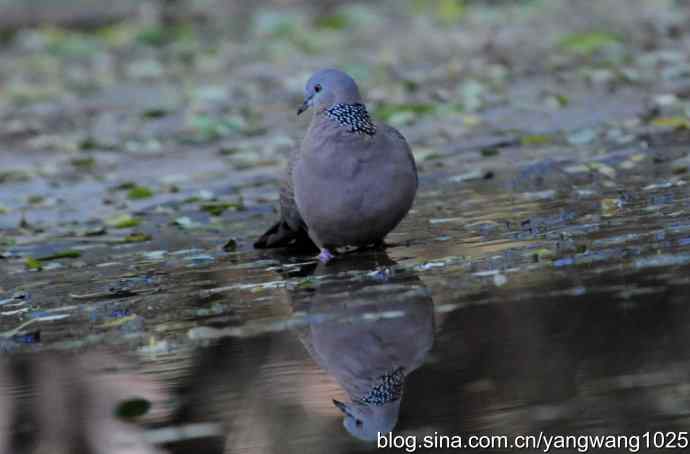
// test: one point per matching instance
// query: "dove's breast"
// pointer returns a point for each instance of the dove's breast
(355, 191)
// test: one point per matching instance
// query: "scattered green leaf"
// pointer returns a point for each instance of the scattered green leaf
(410, 85)
(387, 111)
(32, 264)
(451, 11)
(13, 176)
(119, 321)
(136, 238)
(306, 283)
(193, 199)
(333, 22)
(588, 43)
(35, 199)
(562, 100)
(207, 128)
(123, 221)
(125, 186)
(217, 208)
(447, 12)
(153, 36)
(5, 241)
(96, 231)
(139, 192)
(67, 43)
(536, 139)
(60, 255)
(117, 35)
(155, 112)
(672, 122)
(542, 254)
(90, 143)
(610, 206)
(229, 151)
(84, 163)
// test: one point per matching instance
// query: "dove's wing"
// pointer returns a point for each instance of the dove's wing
(290, 229)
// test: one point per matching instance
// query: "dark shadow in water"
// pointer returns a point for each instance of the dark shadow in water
(75, 404)
(580, 364)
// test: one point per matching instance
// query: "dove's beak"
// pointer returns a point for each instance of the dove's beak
(342, 407)
(306, 105)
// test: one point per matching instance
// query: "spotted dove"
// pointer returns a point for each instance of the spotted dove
(351, 182)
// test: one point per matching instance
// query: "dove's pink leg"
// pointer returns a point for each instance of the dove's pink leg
(325, 256)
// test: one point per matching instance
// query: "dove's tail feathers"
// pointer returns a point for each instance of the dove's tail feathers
(281, 235)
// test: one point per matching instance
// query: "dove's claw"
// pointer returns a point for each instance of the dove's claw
(325, 256)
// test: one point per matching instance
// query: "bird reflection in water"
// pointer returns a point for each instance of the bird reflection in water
(369, 326)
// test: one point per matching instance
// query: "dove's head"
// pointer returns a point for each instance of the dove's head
(365, 422)
(328, 87)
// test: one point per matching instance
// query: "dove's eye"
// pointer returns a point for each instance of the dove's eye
(317, 88)
(358, 422)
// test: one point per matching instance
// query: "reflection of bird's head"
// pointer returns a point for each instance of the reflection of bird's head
(365, 422)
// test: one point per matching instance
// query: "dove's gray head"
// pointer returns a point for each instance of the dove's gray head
(328, 87)
(365, 422)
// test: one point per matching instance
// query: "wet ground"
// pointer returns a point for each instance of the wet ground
(549, 244)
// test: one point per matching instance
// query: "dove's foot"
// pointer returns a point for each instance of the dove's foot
(326, 256)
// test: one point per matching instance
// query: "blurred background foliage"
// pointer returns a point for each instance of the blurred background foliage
(195, 33)
(220, 68)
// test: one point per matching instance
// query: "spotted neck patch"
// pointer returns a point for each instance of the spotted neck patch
(388, 388)
(354, 117)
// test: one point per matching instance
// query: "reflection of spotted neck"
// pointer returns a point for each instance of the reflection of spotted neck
(388, 388)
(353, 116)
